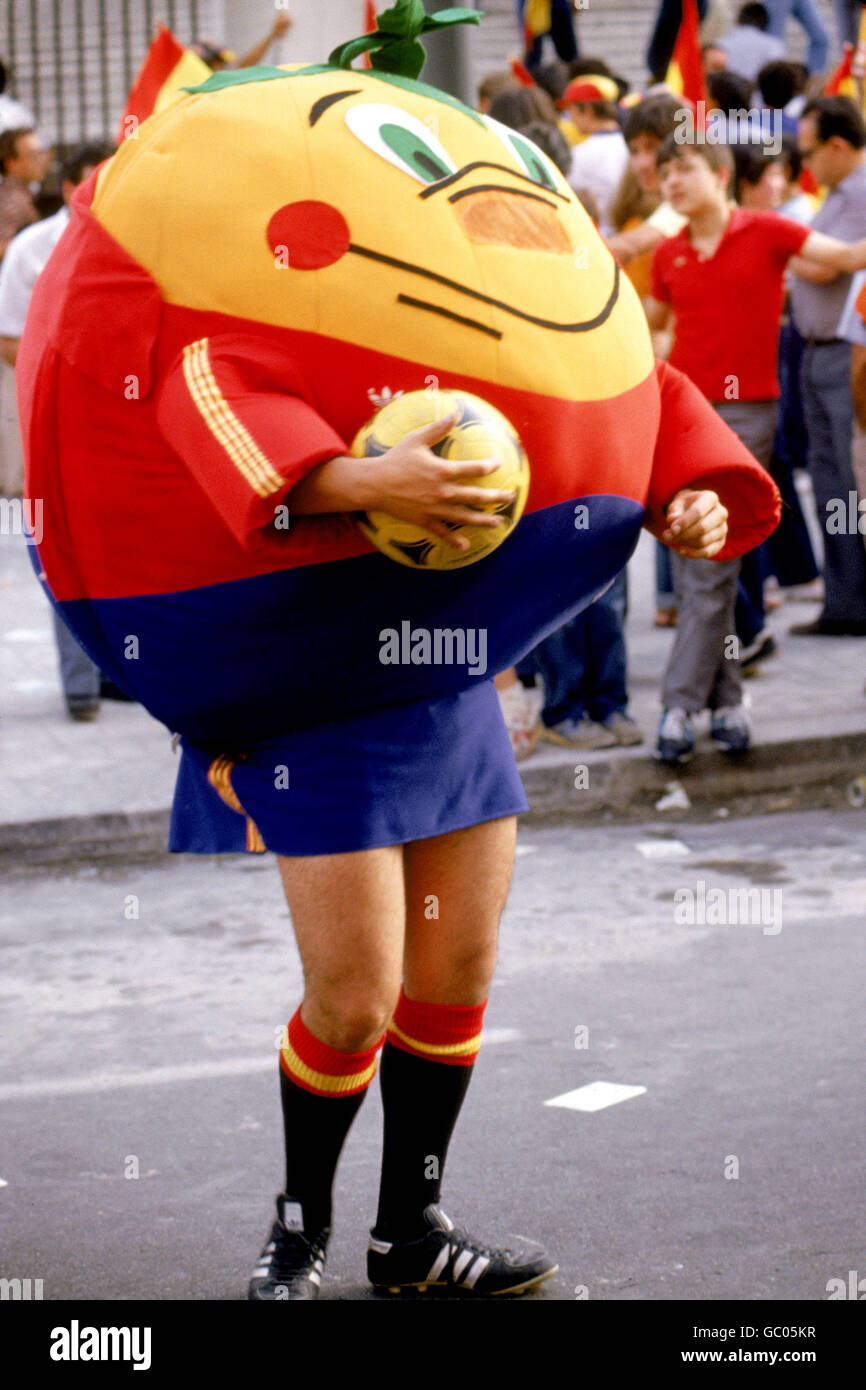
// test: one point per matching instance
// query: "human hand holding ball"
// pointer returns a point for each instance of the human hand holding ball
(451, 487)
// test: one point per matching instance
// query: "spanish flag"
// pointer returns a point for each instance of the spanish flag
(842, 84)
(166, 70)
(685, 76)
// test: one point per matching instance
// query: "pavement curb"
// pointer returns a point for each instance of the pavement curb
(620, 787)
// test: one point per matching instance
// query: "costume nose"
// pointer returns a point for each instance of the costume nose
(506, 219)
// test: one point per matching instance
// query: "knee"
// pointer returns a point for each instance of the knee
(462, 976)
(350, 1020)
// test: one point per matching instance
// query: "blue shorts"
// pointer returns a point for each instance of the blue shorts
(385, 777)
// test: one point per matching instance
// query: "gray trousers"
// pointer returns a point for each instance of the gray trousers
(704, 667)
(78, 674)
(829, 412)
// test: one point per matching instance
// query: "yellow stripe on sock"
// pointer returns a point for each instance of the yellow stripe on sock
(438, 1049)
(319, 1079)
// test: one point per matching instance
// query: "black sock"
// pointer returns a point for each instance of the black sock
(421, 1098)
(321, 1091)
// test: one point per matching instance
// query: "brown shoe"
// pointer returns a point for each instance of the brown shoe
(82, 708)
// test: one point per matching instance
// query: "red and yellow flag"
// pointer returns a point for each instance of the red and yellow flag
(168, 67)
(685, 76)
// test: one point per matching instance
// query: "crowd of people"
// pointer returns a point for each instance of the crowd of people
(720, 218)
(32, 220)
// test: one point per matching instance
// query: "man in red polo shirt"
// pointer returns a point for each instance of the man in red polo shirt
(722, 279)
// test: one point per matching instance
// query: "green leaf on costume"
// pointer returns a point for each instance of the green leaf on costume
(406, 58)
(405, 19)
(452, 16)
(394, 45)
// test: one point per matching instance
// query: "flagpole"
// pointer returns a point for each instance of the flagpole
(449, 54)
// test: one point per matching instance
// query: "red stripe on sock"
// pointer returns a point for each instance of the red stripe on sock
(449, 1033)
(306, 1053)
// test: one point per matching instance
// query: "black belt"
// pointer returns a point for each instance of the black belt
(825, 342)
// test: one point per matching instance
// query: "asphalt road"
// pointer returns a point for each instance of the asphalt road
(141, 1142)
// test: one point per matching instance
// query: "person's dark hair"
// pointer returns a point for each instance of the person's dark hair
(750, 162)
(585, 67)
(85, 157)
(779, 83)
(656, 116)
(728, 91)
(496, 82)
(602, 110)
(792, 158)
(9, 143)
(551, 140)
(717, 156)
(756, 16)
(837, 116)
(552, 78)
(520, 107)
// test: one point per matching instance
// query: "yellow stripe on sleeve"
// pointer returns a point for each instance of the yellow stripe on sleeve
(224, 425)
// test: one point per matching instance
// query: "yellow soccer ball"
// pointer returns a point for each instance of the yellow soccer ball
(480, 432)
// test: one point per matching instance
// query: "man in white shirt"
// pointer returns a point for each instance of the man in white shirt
(22, 264)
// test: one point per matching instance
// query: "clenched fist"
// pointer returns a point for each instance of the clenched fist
(697, 524)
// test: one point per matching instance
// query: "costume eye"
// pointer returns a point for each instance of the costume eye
(401, 139)
(529, 156)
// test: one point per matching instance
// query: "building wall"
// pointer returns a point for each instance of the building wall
(74, 61)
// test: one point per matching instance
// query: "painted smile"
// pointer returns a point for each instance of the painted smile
(578, 326)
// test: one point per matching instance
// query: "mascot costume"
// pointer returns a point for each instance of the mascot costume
(239, 288)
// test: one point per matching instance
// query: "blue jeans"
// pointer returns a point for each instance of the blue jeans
(847, 16)
(807, 14)
(583, 664)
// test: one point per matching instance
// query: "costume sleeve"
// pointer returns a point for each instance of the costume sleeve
(696, 449)
(233, 410)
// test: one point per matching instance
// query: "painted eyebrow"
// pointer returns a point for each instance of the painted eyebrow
(320, 107)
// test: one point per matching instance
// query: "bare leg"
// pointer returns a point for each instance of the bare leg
(348, 914)
(456, 886)
(450, 958)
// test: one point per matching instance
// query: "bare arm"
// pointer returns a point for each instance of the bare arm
(823, 258)
(281, 25)
(627, 246)
(9, 350)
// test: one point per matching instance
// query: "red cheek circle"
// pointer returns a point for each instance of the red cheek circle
(309, 235)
